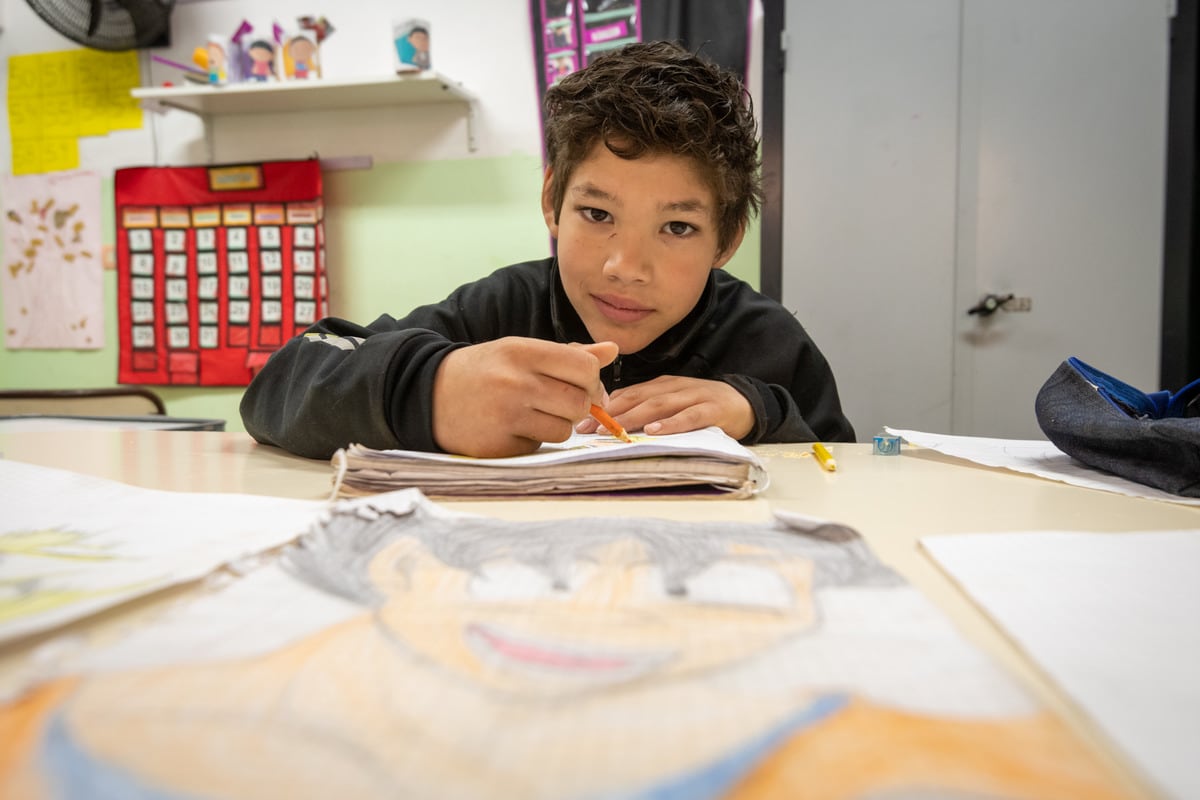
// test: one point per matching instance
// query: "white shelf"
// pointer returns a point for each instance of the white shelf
(318, 94)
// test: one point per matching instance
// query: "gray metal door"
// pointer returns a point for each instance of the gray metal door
(938, 151)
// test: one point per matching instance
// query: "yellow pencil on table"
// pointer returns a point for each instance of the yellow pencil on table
(825, 457)
(609, 423)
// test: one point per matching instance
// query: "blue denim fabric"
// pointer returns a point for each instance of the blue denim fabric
(1153, 439)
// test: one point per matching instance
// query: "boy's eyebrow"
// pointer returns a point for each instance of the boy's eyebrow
(684, 205)
(593, 192)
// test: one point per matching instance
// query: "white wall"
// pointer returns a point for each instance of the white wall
(483, 45)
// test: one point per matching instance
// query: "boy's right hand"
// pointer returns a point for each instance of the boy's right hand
(506, 397)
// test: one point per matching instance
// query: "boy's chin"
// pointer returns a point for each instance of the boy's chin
(627, 344)
(628, 338)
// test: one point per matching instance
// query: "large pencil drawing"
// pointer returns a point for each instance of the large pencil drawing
(580, 658)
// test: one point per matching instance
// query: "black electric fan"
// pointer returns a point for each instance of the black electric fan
(108, 24)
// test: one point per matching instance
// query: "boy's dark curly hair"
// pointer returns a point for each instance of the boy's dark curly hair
(657, 97)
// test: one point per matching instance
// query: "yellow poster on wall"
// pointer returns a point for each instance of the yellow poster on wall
(54, 98)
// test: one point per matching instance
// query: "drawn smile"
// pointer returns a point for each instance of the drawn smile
(505, 649)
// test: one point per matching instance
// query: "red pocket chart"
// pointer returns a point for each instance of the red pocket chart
(216, 268)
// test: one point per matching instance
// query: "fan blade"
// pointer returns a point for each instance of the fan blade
(94, 17)
(148, 17)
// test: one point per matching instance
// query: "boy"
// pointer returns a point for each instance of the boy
(652, 177)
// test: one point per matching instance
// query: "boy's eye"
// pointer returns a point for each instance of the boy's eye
(595, 214)
(677, 228)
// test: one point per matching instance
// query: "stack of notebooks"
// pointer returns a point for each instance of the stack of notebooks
(703, 462)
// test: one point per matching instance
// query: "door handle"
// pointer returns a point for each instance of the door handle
(989, 305)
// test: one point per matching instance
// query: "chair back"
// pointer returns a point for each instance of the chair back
(113, 401)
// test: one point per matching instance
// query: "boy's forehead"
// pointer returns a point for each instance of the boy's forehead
(603, 172)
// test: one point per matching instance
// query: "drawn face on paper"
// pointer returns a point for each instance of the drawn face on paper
(610, 617)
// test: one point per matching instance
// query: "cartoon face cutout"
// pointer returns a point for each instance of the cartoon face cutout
(302, 50)
(419, 39)
(261, 53)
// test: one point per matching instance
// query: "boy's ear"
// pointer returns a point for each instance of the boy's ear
(726, 254)
(548, 204)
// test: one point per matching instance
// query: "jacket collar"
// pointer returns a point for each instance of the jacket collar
(568, 327)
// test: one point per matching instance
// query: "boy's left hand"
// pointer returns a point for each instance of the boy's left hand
(672, 404)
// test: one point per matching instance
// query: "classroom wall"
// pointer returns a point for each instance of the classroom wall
(429, 214)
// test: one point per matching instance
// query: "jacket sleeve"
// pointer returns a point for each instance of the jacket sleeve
(778, 416)
(341, 383)
(775, 364)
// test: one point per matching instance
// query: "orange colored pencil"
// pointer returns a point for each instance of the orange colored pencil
(609, 423)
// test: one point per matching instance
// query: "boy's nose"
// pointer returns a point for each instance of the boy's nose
(628, 258)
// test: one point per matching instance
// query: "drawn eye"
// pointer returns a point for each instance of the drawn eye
(506, 580)
(728, 584)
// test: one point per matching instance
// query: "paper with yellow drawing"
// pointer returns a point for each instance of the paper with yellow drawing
(72, 544)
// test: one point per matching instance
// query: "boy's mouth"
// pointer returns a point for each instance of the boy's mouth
(620, 309)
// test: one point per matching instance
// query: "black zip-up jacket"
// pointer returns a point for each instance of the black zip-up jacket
(341, 383)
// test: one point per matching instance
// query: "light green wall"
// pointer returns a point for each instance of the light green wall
(397, 235)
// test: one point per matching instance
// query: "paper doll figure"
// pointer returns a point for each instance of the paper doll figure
(412, 46)
(217, 61)
(302, 51)
(300, 57)
(262, 60)
(581, 658)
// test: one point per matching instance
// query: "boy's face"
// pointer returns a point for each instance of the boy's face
(636, 241)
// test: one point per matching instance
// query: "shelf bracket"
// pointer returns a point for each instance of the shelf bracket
(210, 138)
(472, 113)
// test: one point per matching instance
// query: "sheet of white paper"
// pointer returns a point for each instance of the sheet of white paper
(1112, 618)
(1034, 457)
(72, 545)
